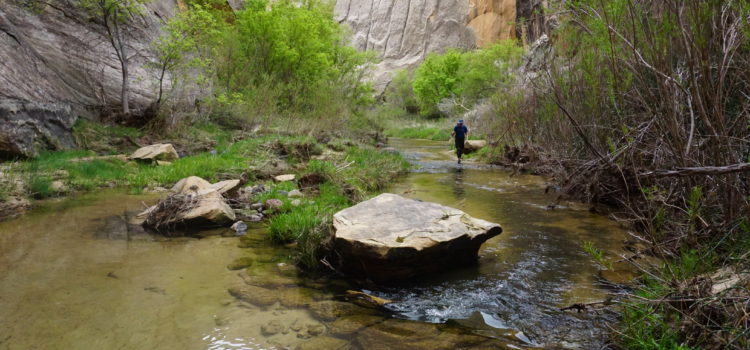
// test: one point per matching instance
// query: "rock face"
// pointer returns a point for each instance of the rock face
(392, 238)
(56, 64)
(492, 20)
(403, 32)
(27, 127)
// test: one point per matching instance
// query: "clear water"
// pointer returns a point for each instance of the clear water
(72, 277)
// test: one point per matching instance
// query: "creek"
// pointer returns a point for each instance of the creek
(73, 277)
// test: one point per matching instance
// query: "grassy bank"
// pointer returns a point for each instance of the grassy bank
(343, 172)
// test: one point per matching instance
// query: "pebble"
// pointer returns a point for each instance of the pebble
(295, 194)
(296, 202)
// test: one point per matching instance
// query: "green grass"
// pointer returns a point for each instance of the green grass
(649, 323)
(228, 162)
(360, 173)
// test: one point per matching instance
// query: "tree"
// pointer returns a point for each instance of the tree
(178, 46)
(113, 15)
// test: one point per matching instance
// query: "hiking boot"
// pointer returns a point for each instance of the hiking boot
(459, 160)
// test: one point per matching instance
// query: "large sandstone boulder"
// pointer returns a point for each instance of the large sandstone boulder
(471, 146)
(155, 152)
(391, 238)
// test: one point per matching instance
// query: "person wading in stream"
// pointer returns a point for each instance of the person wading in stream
(460, 133)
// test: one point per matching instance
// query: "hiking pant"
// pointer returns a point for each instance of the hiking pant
(459, 147)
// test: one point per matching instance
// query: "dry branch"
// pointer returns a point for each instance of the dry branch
(698, 171)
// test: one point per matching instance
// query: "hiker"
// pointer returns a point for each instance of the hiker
(460, 133)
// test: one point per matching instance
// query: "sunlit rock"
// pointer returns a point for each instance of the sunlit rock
(471, 146)
(155, 152)
(391, 238)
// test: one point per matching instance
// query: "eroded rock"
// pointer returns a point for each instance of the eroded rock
(156, 152)
(391, 238)
(471, 146)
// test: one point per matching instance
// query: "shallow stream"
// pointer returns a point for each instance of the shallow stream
(74, 276)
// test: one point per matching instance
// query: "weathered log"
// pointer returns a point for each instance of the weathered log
(697, 171)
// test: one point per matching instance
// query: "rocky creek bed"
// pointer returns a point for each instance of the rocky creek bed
(71, 276)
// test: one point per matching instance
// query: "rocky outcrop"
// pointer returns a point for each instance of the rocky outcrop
(403, 32)
(392, 238)
(492, 20)
(56, 64)
(27, 127)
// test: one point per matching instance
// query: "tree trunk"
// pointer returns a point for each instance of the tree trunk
(125, 95)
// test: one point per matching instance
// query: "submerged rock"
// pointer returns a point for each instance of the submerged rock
(155, 152)
(328, 343)
(240, 228)
(254, 295)
(13, 207)
(240, 263)
(391, 238)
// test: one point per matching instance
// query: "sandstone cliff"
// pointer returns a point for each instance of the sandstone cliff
(403, 32)
(56, 64)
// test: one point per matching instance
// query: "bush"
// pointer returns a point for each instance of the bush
(467, 76)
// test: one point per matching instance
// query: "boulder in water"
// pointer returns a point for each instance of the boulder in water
(392, 238)
(195, 202)
(155, 152)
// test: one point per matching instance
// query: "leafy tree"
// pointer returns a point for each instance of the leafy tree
(437, 78)
(297, 45)
(180, 46)
(113, 16)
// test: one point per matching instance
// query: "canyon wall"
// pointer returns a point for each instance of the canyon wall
(56, 64)
(403, 32)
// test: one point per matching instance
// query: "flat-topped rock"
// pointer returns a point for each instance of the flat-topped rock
(156, 152)
(392, 238)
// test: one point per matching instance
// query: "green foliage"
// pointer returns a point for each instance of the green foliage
(436, 79)
(468, 76)
(596, 254)
(309, 224)
(296, 49)
(115, 11)
(647, 329)
(178, 49)
(400, 93)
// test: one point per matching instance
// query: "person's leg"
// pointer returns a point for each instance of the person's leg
(459, 148)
